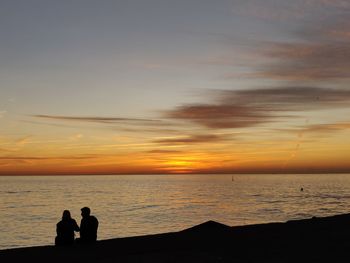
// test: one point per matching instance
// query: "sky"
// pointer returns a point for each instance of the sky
(186, 86)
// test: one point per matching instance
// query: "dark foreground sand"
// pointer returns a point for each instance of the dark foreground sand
(311, 240)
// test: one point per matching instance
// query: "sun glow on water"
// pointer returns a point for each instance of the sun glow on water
(129, 205)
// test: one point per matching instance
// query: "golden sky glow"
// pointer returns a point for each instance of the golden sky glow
(193, 87)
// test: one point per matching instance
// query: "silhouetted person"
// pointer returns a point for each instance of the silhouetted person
(65, 230)
(88, 227)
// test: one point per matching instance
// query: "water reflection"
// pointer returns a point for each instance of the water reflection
(130, 205)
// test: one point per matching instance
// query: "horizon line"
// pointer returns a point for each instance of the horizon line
(226, 173)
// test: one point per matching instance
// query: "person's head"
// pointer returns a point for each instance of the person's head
(85, 212)
(66, 215)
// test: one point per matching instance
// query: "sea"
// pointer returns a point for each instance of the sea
(134, 205)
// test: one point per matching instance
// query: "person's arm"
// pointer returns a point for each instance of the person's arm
(76, 227)
(95, 223)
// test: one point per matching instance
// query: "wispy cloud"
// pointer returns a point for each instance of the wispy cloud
(275, 10)
(164, 151)
(31, 158)
(327, 128)
(192, 139)
(320, 50)
(246, 108)
(315, 48)
(128, 125)
(308, 61)
(153, 130)
(97, 119)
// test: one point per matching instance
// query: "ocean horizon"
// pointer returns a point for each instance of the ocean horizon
(133, 205)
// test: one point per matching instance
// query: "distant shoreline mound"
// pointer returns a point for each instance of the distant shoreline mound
(325, 239)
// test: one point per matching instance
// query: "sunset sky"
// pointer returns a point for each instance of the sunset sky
(165, 86)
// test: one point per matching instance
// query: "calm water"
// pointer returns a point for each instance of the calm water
(133, 205)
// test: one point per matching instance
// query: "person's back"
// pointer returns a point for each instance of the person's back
(65, 230)
(88, 227)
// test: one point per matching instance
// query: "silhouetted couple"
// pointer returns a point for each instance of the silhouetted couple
(67, 226)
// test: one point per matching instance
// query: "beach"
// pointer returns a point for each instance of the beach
(325, 239)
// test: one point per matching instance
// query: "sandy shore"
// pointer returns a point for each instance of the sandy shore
(324, 239)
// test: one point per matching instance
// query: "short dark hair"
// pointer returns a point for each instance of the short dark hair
(85, 210)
